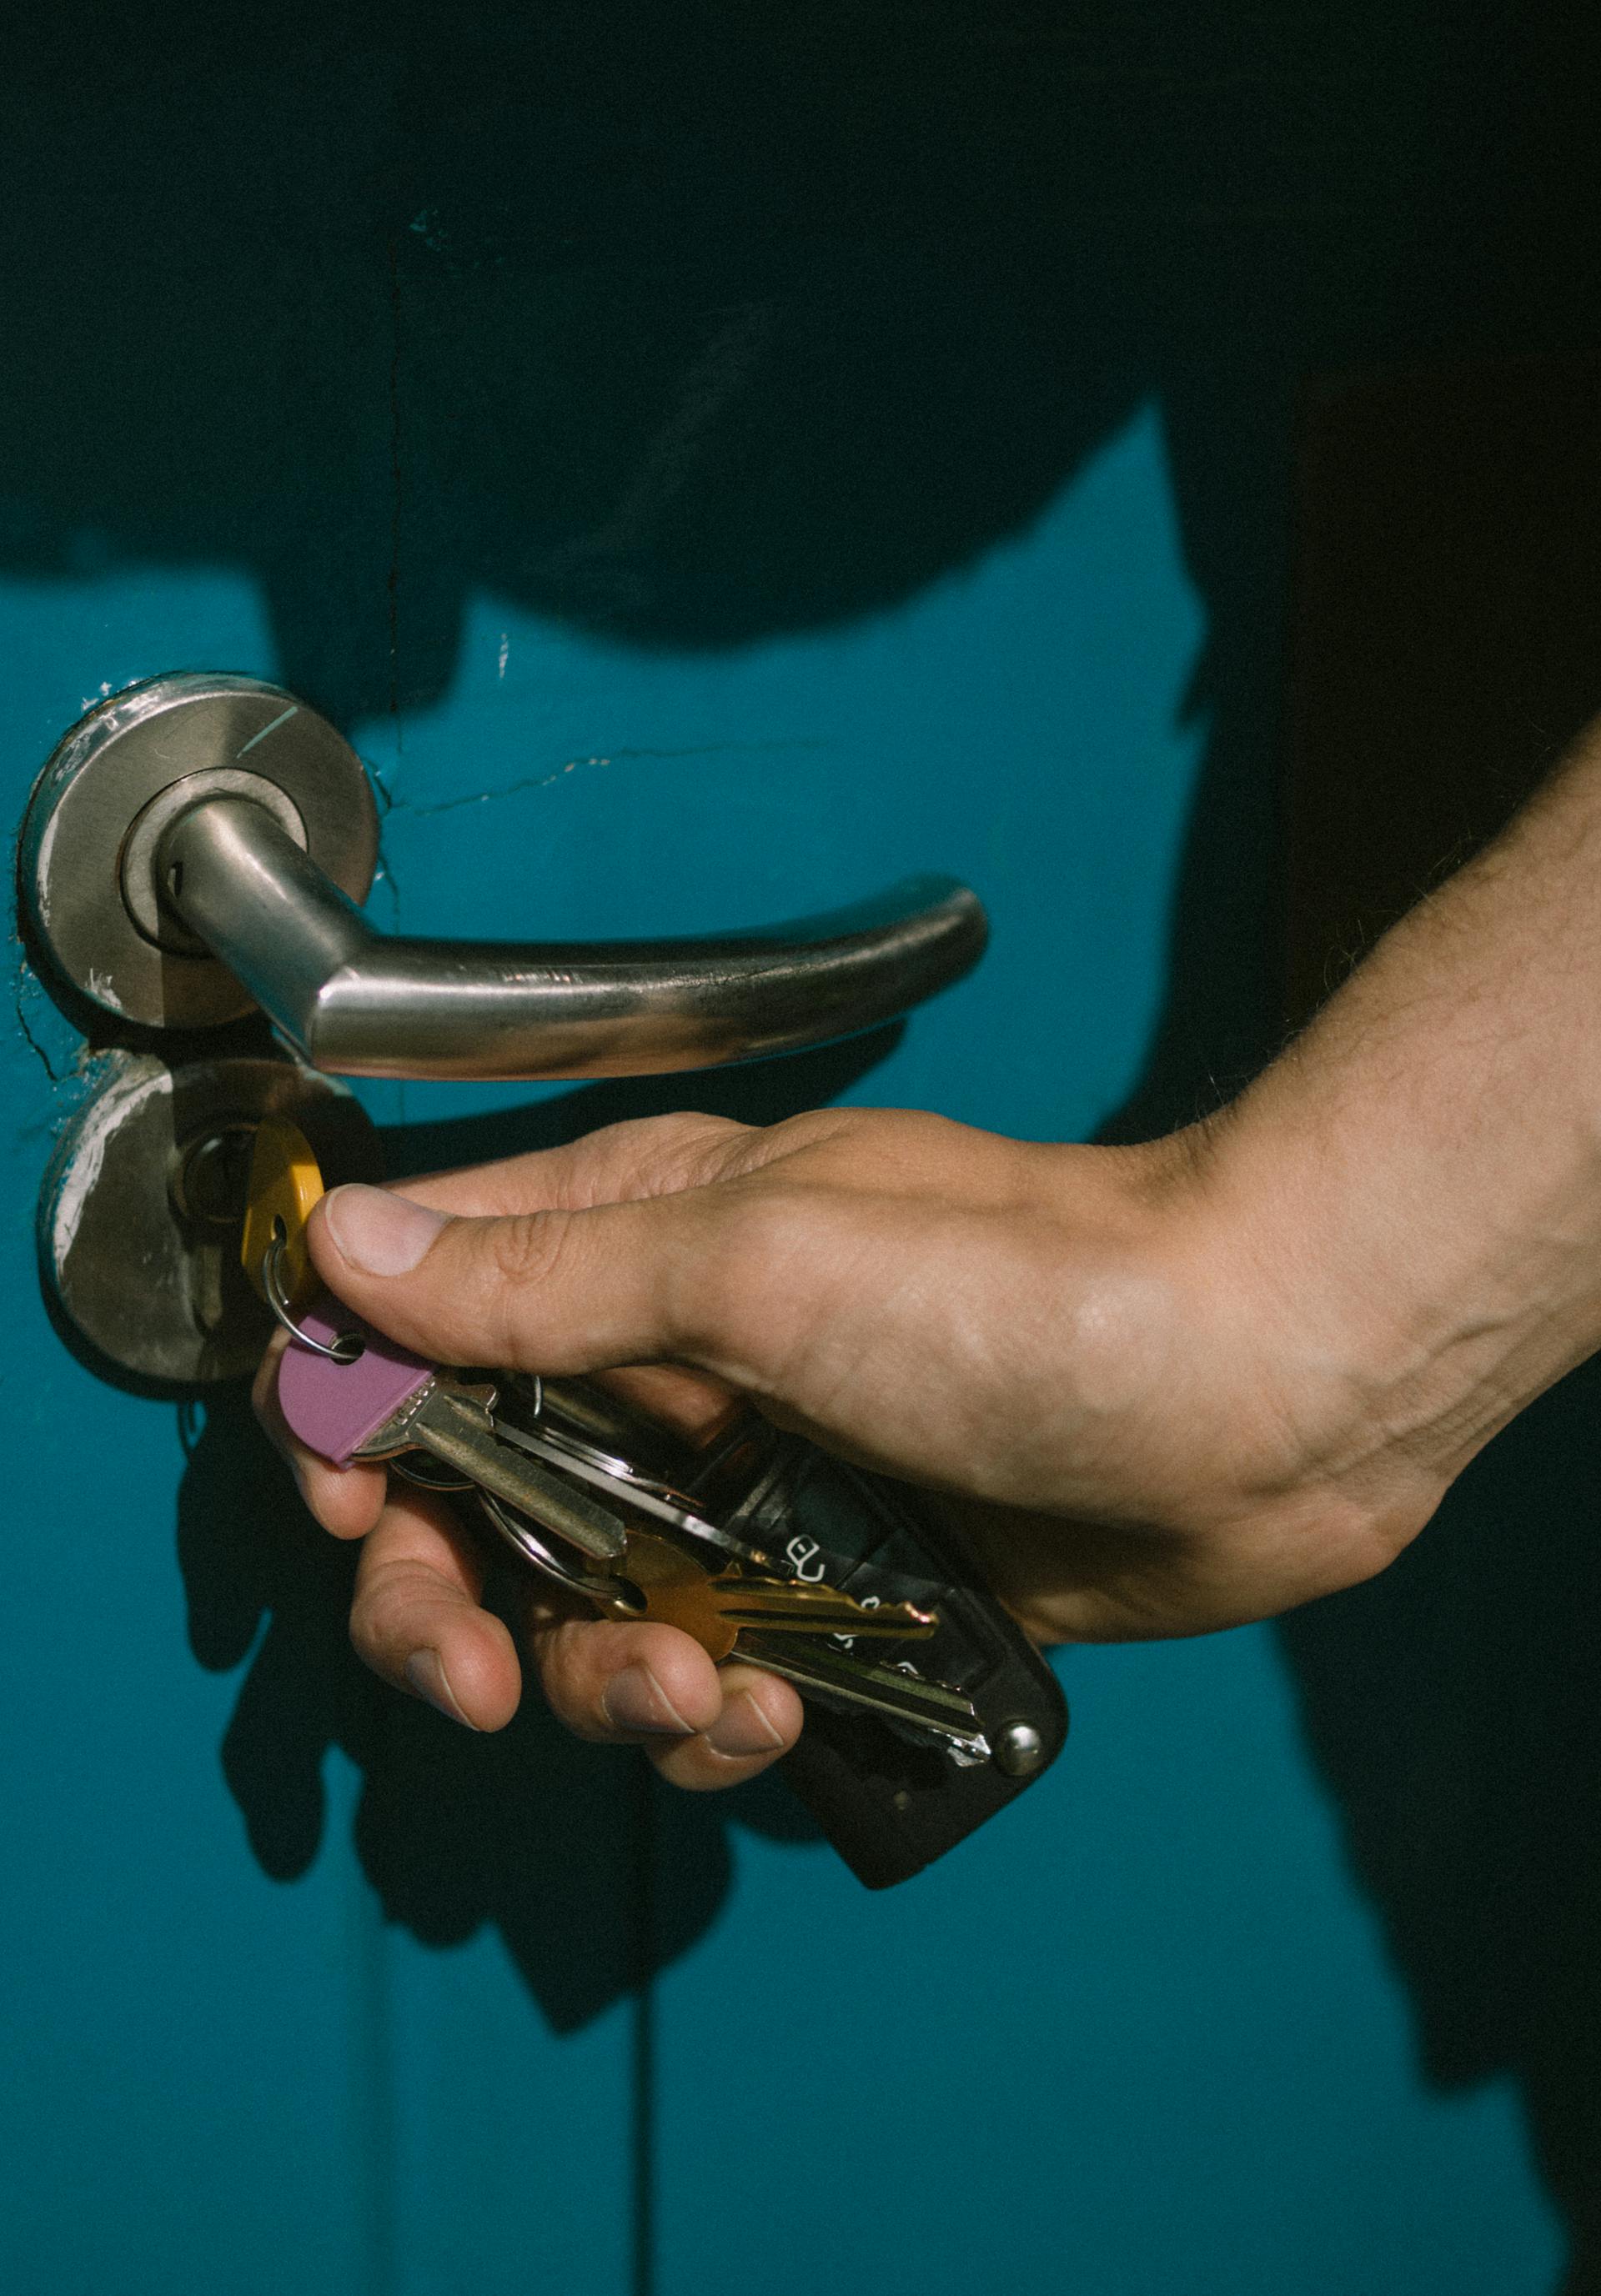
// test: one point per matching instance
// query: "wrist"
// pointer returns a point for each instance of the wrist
(1211, 1403)
(1405, 1327)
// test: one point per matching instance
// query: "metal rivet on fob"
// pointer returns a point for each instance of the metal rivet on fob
(1019, 1749)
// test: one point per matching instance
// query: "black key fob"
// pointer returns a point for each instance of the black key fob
(910, 1743)
(891, 1799)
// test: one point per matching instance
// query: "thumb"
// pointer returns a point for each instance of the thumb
(551, 1291)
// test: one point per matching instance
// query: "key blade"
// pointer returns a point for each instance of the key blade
(618, 1480)
(793, 1608)
(455, 1425)
(908, 1698)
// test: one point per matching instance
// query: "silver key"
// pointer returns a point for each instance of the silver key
(892, 1691)
(453, 1421)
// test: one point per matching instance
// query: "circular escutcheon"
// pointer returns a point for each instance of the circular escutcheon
(141, 1212)
(97, 811)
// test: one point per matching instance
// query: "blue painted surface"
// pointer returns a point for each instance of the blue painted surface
(300, 1989)
(224, 2068)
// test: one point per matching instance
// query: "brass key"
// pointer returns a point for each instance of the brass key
(658, 1581)
(726, 1614)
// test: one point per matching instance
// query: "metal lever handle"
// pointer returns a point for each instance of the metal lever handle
(360, 1003)
(205, 817)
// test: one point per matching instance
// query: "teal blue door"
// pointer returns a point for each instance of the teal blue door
(713, 460)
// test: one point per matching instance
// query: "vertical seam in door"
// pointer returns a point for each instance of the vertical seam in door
(642, 2281)
(372, 2011)
(397, 499)
(396, 493)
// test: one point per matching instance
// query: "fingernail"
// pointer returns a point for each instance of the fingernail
(425, 1672)
(742, 1729)
(381, 1233)
(634, 1699)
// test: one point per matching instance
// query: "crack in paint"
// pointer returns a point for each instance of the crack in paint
(572, 764)
(23, 977)
(34, 1044)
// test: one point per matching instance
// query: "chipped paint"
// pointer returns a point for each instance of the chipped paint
(103, 1119)
(40, 885)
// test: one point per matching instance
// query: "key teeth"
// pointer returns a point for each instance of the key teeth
(803, 1606)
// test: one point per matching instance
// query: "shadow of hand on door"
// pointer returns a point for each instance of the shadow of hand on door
(1450, 1706)
(691, 327)
(527, 1830)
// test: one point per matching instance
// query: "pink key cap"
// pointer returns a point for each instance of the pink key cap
(333, 1407)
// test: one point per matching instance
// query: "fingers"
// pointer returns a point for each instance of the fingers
(416, 1622)
(704, 1727)
(760, 1720)
(615, 1682)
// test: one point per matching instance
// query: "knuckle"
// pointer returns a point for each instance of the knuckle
(525, 1248)
(525, 1256)
(566, 1678)
(366, 1636)
(380, 1616)
(673, 1153)
(746, 1253)
(658, 1155)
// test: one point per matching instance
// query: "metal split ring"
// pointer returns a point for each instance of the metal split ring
(344, 1349)
(521, 1537)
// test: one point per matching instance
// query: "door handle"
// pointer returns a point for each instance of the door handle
(358, 1001)
(202, 842)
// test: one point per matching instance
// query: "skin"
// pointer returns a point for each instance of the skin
(1164, 1388)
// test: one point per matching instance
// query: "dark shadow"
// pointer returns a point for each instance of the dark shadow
(764, 1092)
(527, 1830)
(1451, 1704)
(1444, 654)
(689, 322)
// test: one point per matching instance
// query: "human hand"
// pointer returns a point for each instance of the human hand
(1091, 1353)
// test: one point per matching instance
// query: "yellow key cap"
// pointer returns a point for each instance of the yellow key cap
(284, 1183)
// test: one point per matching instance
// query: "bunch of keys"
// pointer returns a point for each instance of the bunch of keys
(928, 1708)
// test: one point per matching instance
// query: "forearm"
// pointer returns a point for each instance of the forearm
(1420, 1176)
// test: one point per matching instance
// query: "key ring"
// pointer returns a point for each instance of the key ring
(345, 1349)
(411, 1470)
(519, 1534)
